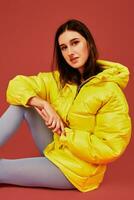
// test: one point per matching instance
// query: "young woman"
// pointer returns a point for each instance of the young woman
(77, 114)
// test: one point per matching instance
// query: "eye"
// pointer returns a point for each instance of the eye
(75, 42)
(63, 48)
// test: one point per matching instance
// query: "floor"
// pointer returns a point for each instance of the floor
(118, 182)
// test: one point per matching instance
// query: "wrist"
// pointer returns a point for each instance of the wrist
(36, 102)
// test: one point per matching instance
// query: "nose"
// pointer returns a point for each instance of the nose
(70, 51)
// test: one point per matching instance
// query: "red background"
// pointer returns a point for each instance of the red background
(27, 29)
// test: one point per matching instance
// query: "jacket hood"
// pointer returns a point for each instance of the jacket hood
(113, 71)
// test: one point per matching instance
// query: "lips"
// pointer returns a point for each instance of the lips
(74, 59)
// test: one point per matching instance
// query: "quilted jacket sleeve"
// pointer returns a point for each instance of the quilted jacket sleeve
(22, 88)
(111, 134)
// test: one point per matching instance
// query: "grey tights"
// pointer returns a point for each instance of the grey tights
(36, 171)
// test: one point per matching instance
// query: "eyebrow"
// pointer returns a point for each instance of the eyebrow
(70, 41)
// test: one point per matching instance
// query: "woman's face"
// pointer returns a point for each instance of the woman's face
(74, 48)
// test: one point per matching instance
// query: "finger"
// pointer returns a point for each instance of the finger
(43, 111)
(38, 110)
(52, 126)
(58, 132)
(41, 114)
(50, 120)
(62, 127)
(57, 127)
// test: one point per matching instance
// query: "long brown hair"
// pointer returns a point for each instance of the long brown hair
(69, 74)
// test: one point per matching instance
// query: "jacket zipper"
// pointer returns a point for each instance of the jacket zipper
(77, 92)
(80, 86)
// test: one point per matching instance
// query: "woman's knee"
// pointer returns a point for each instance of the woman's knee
(9, 122)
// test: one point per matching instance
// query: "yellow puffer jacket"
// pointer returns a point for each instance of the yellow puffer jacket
(98, 126)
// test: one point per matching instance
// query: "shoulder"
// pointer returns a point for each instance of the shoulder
(110, 89)
(50, 76)
(105, 92)
(103, 87)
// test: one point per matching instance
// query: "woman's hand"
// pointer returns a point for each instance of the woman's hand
(46, 111)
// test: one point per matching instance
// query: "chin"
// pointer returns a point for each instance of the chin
(76, 66)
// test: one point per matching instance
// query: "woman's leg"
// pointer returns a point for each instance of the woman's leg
(34, 172)
(39, 171)
(42, 135)
(9, 122)
(13, 117)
